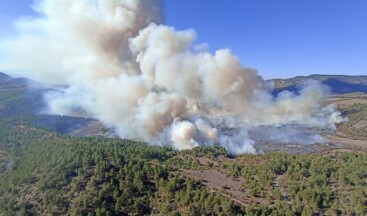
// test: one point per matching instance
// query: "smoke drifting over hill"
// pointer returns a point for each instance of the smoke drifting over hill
(150, 82)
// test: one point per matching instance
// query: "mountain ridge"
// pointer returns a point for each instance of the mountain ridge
(4, 77)
(339, 84)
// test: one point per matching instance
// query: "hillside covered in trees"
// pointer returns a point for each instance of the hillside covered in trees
(58, 175)
(45, 171)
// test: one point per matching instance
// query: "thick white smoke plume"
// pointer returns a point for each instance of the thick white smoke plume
(151, 82)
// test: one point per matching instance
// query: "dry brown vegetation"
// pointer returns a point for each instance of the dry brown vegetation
(352, 133)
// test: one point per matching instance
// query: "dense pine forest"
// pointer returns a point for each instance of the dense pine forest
(52, 174)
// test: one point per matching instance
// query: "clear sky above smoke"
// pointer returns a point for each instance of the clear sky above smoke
(280, 38)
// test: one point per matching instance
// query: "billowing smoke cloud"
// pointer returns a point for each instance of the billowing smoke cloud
(151, 82)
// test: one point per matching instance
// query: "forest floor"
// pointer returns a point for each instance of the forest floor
(5, 162)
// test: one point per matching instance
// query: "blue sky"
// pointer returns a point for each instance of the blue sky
(280, 38)
(10, 10)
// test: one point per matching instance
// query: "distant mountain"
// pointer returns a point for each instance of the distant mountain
(4, 77)
(339, 84)
(7, 82)
(20, 99)
(17, 98)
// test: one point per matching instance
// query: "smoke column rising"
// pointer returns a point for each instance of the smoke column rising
(150, 82)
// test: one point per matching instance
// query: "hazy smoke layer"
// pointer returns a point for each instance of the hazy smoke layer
(151, 82)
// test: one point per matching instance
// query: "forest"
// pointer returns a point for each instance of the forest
(46, 171)
(53, 174)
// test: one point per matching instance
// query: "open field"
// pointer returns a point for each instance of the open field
(352, 133)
